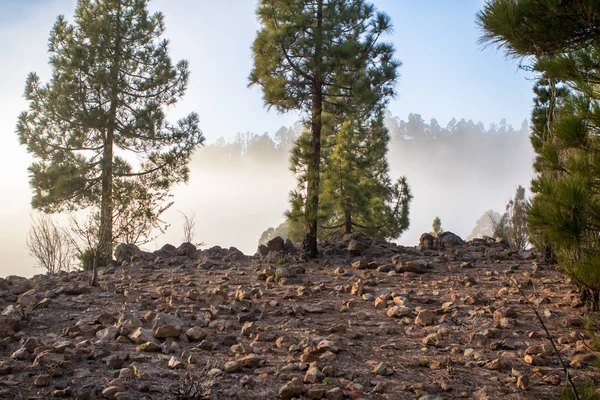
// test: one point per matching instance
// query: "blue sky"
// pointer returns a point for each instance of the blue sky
(445, 74)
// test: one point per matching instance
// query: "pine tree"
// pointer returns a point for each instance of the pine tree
(563, 41)
(97, 130)
(312, 54)
(436, 226)
(358, 194)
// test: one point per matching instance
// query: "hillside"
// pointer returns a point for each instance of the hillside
(367, 321)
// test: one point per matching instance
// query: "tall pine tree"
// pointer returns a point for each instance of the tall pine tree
(97, 129)
(310, 54)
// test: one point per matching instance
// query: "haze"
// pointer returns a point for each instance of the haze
(445, 75)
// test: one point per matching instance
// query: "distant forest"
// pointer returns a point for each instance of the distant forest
(413, 142)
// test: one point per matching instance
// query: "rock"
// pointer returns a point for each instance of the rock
(8, 326)
(533, 360)
(166, 326)
(580, 360)
(360, 264)
(335, 394)
(145, 371)
(417, 267)
(449, 240)
(232, 367)
(358, 288)
(187, 249)
(175, 363)
(291, 389)
(142, 335)
(523, 382)
(427, 242)
(27, 300)
(276, 244)
(506, 312)
(195, 334)
(327, 345)
(251, 361)
(495, 365)
(313, 375)
(425, 318)
(356, 247)
(399, 312)
(383, 370)
(110, 392)
(42, 380)
(127, 253)
(21, 354)
(107, 334)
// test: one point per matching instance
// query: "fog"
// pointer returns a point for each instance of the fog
(237, 194)
(445, 74)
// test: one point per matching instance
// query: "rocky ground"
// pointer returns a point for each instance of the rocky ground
(369, 320)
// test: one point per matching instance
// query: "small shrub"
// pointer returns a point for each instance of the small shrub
(198, 385)
(436, 227)
(86, 260)
(277, 278)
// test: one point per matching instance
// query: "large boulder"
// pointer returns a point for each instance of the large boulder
(167, 251)
(127, 252)
(276, 244)
(187, 249)
(449, 239)
(427, 242)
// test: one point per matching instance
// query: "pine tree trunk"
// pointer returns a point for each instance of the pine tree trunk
(348, 222)
(104, 251)
(314, 162)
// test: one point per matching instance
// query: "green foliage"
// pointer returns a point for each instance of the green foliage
(512, 226)
(358, 193)
(321, 57)
(436, 226)
(277, 277)
(86, 260)
(585, 391)
(562, 41)
(111, 81)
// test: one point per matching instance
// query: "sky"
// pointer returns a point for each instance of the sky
(446, 73)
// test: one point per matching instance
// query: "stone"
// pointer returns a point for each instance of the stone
(425, 318)
(334, 394)
(187, 249)
(313, 375)
(382, 369)
(291, 389)
(449, 240)
(42, 380)
(327, 345)
(107, 334)
(142, 335)
(21, 354)
(125, 252)
(195, 334)
(175, 363)
(399, 312)
(427, 242)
